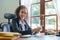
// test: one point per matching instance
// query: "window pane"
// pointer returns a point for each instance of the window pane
(50, 22)
(35, 1)
(36, 10)
(35, 21)
(50, 9)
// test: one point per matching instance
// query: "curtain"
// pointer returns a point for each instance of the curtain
(57, 7)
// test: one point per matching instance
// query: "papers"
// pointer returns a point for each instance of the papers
(25, 36)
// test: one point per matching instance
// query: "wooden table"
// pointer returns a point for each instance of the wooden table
(44, 37)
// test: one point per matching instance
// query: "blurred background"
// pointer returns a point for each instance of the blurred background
(40, 13)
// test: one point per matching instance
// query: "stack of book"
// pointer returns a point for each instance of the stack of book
(9, 35)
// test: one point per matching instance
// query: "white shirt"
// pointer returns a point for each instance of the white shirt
(22, 23)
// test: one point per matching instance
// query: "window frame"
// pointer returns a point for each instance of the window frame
(43, 11)
(31, 13)
(56, 21)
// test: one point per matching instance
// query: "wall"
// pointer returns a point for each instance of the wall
(7, 6)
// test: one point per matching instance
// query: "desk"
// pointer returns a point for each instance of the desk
(44, 37)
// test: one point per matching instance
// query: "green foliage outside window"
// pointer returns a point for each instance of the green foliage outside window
(49, 5)
(35, 20)
(36, 10)
(50, 21)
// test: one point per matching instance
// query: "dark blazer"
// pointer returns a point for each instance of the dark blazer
(16, 28)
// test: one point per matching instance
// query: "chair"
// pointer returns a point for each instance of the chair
(0, 27)
(6, 27)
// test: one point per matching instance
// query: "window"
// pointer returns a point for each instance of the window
(35, 13)
(35, 21)
(50, 8)
(50, 22)
(36, 10)
(50, 16)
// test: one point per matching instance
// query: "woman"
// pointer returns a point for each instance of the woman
(19, 23)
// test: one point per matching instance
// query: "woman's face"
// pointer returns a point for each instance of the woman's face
(23, 13)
